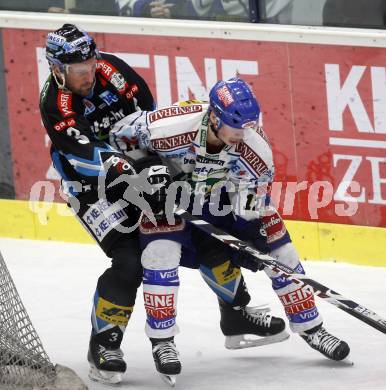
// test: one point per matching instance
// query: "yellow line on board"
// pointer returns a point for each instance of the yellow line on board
(314, 240)
(40, 221)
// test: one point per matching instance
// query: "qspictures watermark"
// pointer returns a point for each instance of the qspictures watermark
(244, 200)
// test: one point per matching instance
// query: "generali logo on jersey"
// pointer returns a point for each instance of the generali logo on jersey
(173, 111)
(256, 163)
(173, 142)
(65, 103)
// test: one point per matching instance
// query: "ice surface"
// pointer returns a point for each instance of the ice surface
(56, 282)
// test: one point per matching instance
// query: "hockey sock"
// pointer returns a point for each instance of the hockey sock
(227, 282)
(107, 315)
(160, 261)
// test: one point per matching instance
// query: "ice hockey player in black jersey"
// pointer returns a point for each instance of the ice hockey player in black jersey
(86, 93)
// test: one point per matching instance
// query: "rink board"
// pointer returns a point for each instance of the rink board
(322, 94)
(323, 98)
(314, 240)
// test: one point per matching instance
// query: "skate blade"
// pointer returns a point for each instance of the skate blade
(249, 341)
(348, 362)
(105, 377)
(169, 379)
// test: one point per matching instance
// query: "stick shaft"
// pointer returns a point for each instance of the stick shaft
(350, 307)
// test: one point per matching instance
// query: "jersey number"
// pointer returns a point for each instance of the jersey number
(81, 138)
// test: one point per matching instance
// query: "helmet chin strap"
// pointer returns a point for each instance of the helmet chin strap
(61, 85)
(215, 132)
(215, 127)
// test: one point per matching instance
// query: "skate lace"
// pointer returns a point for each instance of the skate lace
(110, 354)
(166, 352)
(324, 341)
(257, 316)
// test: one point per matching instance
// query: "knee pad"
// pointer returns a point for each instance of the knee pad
(126, 263)
(161, 255)
(287, 255)
(213, 253)
(160, 260)
(120, 282)
(119, 286)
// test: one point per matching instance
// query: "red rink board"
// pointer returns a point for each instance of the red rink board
(324, 109)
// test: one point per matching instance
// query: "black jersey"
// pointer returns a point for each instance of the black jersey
(79, 126)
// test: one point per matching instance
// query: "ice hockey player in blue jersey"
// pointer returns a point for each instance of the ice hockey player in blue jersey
(166, 246)
(222, 152)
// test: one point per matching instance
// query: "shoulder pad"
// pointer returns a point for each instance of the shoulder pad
(256, 153)
(176, 111)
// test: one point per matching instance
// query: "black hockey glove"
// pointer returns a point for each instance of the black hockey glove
(246, 260)
(212, 252)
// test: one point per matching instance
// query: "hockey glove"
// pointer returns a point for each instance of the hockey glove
(159, 179)
(123, 137)
(246, 260)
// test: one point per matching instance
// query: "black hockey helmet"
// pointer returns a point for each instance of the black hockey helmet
(69, 44)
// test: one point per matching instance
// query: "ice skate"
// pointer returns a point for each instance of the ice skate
(327, 344)
(246, 327)
(166, 359)
(106, 365)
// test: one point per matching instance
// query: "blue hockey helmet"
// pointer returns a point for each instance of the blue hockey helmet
(234, 104)
(69, 44)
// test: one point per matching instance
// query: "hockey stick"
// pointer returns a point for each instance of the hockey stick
(355, 309)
